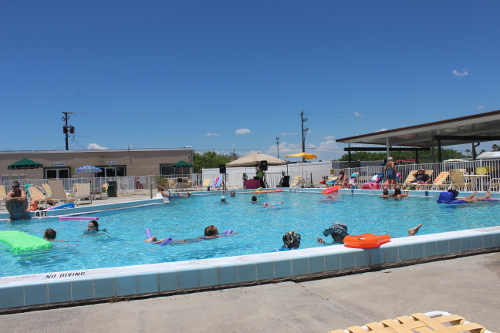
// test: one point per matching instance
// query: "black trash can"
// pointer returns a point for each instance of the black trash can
(112, 189)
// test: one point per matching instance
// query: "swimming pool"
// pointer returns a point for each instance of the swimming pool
(259, 229)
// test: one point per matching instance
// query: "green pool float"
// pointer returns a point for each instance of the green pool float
(21, 241)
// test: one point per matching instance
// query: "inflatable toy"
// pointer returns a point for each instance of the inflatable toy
(21, 241)
(331, 189)
(78, 218)
(449, 198)
(63, 206)
(267, 191)
(366, 241)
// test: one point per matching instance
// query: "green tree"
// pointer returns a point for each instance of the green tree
(495, 147)
(209, 159)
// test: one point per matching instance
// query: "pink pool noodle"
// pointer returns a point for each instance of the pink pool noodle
(78, 218)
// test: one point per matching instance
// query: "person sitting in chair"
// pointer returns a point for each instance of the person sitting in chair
(16, 197)
(420, 177)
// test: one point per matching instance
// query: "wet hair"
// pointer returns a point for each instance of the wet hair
(338, 228)
(233, 194)
(16, 182)
(291, 240)
(397, 191)
(95, 224)
(455, 192)
(385, 191)
(49, 234)
(254, 198)
(211, 230)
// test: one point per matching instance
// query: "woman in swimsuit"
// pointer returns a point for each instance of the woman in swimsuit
(390, 170)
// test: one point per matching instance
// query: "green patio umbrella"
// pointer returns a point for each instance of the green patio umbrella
(182, 164)
(25, 164)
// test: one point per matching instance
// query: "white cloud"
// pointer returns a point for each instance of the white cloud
(242, 131)
(330, 137)
(95, 146)
(383, 129)
(357, 115)
(285, 134)
(480, 107)
(212, 134)
(464, 72)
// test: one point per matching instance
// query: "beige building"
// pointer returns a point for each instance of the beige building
(113, 163)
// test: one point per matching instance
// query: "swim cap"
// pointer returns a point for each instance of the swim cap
(338, 228)
(290, 237)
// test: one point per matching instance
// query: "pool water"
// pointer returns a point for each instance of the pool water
(256, 229)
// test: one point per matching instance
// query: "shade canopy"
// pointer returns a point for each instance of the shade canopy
(182, 163)
(254, 159)
(88, 169)
(307, 156)
(25, 164)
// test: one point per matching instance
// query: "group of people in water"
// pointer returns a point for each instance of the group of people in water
(291, 240)
(92, 229)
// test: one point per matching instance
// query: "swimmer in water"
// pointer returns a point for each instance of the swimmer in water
(50, 235)
(93, 227)
(291, 240)
(210, 232)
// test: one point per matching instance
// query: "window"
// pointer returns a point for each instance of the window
(112, 171)
(54, 172)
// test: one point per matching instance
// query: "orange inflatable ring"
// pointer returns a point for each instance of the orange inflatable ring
(366, 241)
(331, 189)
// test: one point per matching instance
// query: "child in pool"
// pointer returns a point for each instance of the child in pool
(93, 228)
(210, 232)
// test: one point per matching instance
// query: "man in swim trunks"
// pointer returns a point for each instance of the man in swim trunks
(470, 198)
(15, 197)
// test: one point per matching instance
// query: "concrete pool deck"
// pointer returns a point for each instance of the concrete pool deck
(468, 286)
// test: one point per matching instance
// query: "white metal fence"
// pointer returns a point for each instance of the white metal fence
(313, 173)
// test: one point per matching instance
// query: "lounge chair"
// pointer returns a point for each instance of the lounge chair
(82, 194)
(437, 184)
(298, 181)
(217, 182)
(435, 321)
(206, 183)
(38, 199)
(48, 190)
(458, 180)
(3, 194)
(103, 192)
(410, 178)
(494, 184)
(353, 181)
(58, 191)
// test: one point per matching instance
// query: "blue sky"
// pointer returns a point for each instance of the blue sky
(235, 75)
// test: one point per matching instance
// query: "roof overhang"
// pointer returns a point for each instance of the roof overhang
(482, 127)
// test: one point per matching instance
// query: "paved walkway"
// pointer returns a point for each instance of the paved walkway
(469, 287)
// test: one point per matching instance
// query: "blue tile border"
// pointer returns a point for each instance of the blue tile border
(158, 279)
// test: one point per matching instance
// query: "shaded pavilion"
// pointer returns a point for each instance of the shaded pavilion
(473, 129)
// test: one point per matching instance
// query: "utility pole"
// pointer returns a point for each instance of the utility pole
(304, 131)
(67, 129)
(234, 151)
(278, 145)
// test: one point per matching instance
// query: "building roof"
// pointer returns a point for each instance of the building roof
(481, 127)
